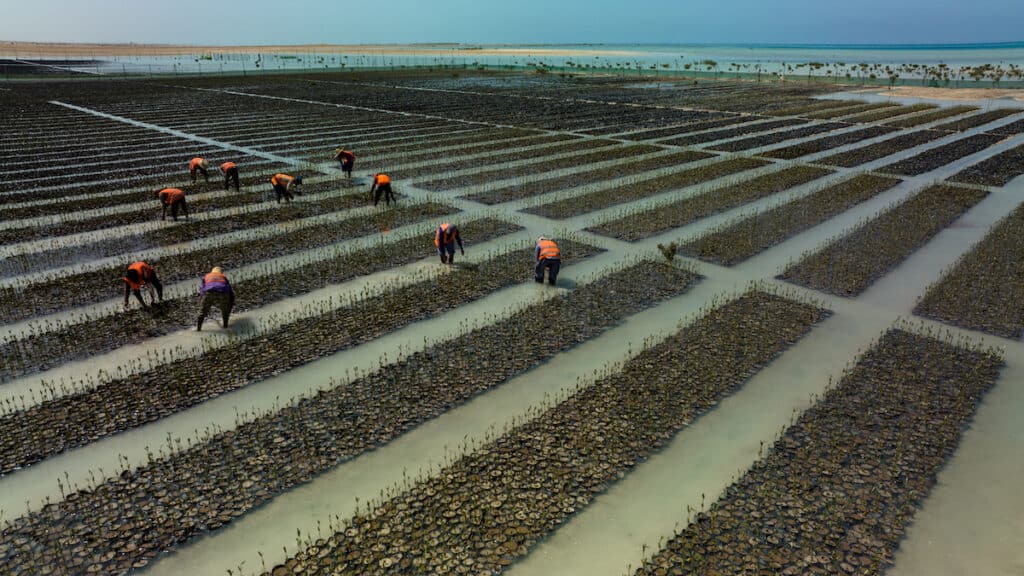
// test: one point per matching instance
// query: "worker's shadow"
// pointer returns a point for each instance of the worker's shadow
(241, 326)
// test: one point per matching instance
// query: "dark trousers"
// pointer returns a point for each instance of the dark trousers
(552, 265)
(346, 166)
(221, 300)
(231, 176)
(282, 190)
(450, 249)
(180, 205)
(156, 284)
(389, 195)
(205, 173)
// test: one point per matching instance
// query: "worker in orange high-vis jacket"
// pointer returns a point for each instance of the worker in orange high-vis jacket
(347, 160)
(382, 185)
(216, 291)
(445, 238)
(284, 185)
(174, 199)
(548, 257)
(140, 275)
(199, 165)
(230, 172)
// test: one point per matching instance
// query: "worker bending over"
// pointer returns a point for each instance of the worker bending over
(347, 160)
(175, 200)
(445, 238)
(382, 185)
(216, 291)
(284, 185)
(200, 165)
(230, 172)
(548, 257)
(140, 275)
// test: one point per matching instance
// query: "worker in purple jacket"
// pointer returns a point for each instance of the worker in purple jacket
(216, 291)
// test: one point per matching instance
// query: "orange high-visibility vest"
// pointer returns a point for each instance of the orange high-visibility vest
(195, 163)
(227, 166)
(171, 196)
(215, 277)
(445, 234)
(548, 249)
(145, 272)
(281, 180)
(381, 179)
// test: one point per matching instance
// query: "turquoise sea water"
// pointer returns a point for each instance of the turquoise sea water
(791, 59)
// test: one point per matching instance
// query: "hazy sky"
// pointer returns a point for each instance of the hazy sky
(519, 21)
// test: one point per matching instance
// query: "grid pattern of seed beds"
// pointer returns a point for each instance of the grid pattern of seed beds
(732, 132)
(627, 168)
(601, 199)
(26, 355)
(482, 177)
(665, 217)
(442, 166)
(882, 114)
(850, 264)
(776, 137)
(976, 120)
(94, 286)
(326, 429)
(125, 403)
(866, 154)
(691, 118)
(983, 291)
(845, 111)
(995, 171)
(683, 129)
(827, 143)
(837, 491)
(1011, 129)
(813, 107)
(741, 240)
(942, 155)
(489, 507)
(931, 116)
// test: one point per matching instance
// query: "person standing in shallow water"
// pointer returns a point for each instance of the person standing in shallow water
(284, 185)
(445, 238)
(347, 160)
(140, 275)
(230, 172)
(199, 165)
(548, 258)
(174, 199)
(216, 291)
(382, 185)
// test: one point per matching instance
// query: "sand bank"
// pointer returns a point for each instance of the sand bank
(948, 93)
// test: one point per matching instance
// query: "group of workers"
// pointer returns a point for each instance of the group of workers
(216, 290)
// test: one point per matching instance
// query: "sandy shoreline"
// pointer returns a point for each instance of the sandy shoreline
(46, 49)
(948, 93)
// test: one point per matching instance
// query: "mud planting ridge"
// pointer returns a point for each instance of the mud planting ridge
(850, 264)
(837, 490)
(488, 508)
(73, 341)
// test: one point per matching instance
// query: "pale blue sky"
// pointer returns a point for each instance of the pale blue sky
(519, 21)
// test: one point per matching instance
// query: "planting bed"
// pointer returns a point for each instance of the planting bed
(280, 450)
(28, 436)
(866, 154)
(531, 169)
(741, 240)
(684, 129)
(876, 115)
(837, 491)
(816, 106)
(931, 116)
(995, 171)
(627, 168)
(776, 137)
(983, 291)
(827, 143)
(97, 285)
(848, 265)
(976, 120)
(1011, 129)
(847, 110)
(665, 217)
(488, 508)
(941, 156)
(73, 341)
(171, 233)
(732, 132)
(442, 166)
(601, 199)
